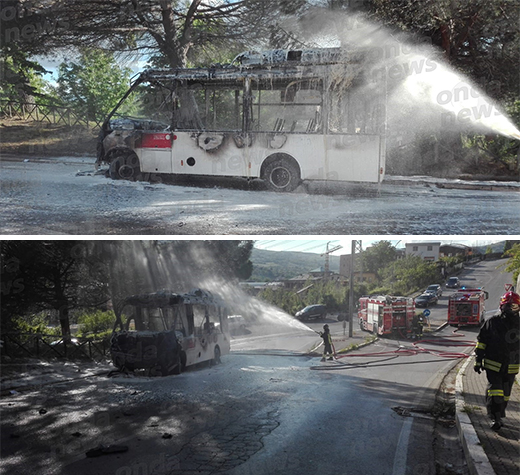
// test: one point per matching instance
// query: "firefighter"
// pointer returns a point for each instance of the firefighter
(418, 325)
(497, 351)
(327, 343)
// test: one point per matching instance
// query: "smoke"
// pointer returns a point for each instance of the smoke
(139, 267)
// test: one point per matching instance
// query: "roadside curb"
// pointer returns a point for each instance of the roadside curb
(313, 351)
(476, 458)
(361, 345)
(439, 328)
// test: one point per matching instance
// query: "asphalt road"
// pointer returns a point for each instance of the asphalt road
(64, 197)
(255, 414)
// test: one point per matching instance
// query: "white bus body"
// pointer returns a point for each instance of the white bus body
(283, 118)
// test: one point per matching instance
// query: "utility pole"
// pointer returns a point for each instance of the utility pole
(355, 245)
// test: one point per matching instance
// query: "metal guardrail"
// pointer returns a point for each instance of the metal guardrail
(53, 114)
(39, 345)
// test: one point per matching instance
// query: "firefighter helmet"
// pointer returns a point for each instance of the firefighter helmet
(325, 327)
(509, 298)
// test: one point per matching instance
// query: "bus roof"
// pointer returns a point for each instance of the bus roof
(272, 64)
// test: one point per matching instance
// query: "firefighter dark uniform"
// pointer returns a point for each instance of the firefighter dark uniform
(418, 325)
(327, 343)
(498, 352)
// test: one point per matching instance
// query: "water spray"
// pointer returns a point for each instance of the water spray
(417, 78)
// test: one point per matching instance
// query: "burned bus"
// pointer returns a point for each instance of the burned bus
(165, 332)
(283, 116)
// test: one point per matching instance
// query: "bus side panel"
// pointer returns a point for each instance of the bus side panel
(332, 157)
(155, 160)
(353, 158)
(190, 158)
(154, 150)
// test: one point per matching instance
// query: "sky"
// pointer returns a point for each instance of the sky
(319, 245)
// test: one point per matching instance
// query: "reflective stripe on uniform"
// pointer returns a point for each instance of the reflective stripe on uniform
(496, 392)
(513, 368)
(492, 365)
(481, 346)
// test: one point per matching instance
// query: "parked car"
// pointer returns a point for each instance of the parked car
(426, 299)
(453, 283)
(312, 312)
(237, 325)
(434, 288)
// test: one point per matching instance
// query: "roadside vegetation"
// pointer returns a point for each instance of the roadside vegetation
(512, 252)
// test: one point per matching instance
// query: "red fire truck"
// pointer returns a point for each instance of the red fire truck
(384, 314)
(467, 307)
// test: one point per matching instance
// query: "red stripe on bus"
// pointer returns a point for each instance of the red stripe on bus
(155, 141)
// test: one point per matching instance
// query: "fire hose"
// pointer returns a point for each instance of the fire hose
(413, 350)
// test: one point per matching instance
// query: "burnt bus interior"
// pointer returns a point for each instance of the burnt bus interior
(185, 319)
(310, 99)
(281, 104)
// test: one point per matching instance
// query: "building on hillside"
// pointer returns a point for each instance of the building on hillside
(254, 288)
(429, 251)
(452, 250)
(314, 276)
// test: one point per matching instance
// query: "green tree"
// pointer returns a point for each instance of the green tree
(179, 31)
(513, 264)
(479, 37)
(378, 256)
(411, 273)
(509, 245)
(496, 152)
(97, 322)
(147, 266)
(93, 84)
(20, 77)
(43, 275)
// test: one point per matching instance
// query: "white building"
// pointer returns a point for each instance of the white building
(429, 251)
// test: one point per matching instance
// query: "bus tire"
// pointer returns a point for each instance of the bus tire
(216, 359)
(125, 166)
(177, 369)
(282, 174)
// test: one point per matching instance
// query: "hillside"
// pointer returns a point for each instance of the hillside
(269, 266)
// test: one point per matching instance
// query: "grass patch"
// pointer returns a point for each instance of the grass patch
(29, 138)
(470, 409)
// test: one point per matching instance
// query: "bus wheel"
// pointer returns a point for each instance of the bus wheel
(124, 167)
(216, 359)
(178, 365)
(282, 174)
